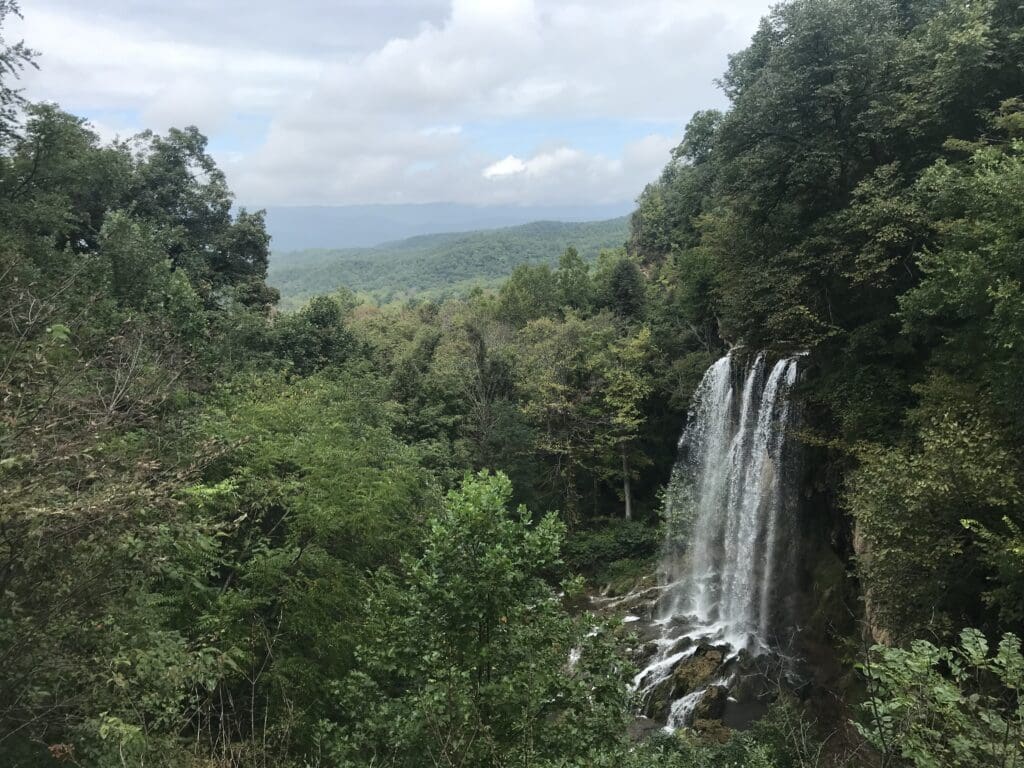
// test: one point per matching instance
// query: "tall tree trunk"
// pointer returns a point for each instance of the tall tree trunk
(626, 492)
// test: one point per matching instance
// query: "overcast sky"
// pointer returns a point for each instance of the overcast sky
(369, 101)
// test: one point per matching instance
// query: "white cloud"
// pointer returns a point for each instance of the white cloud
(394, 113)
(541, 164)
(546, 163)
(504, 167)
(566, 174)
(87, 65)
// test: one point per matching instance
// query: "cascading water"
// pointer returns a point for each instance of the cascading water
(727, 568)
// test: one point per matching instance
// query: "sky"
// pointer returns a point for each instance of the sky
(337, 102)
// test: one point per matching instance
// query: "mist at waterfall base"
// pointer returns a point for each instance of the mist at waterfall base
(722, 623)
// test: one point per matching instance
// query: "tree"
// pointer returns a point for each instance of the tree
(528, 293)
(59, 183)
(13, 60)
(626, 384)
(139, 268)
(313, 338)
(964, 315)
(178, 184)
(969, 303)
(554, 363)
(920, 575)
(469, 657)
(584, 382)
(474, 363)
(573, 279)
(667, 217)
(620, 285)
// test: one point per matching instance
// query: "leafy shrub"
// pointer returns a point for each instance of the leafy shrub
(468, 655)
(607, 540)
(933, 707)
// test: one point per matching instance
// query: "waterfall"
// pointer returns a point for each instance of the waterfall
(727, 568)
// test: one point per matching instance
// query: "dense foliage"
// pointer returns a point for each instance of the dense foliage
(860, 200)
(468, 657)
(950, 707)
(235, 536)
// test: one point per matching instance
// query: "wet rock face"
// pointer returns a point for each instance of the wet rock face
(697, 671)
(700, 675)
(704, 685)
(712, 704)
(713, 686)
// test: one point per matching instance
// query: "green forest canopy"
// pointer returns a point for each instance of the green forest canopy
(231, 536)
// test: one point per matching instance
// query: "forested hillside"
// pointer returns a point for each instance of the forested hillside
(300, 228)
(352, 535)
(437, 266)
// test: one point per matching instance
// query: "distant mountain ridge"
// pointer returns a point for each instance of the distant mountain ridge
(361, 226)
(436, 265)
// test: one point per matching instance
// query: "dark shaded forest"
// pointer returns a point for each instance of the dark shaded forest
(236, 536)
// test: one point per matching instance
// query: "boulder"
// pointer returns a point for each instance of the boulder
(712, 703)
(712, 730)
(697, 671)
(659, 700)
(645, 651)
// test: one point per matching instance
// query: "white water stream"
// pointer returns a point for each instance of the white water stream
(725, 571)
